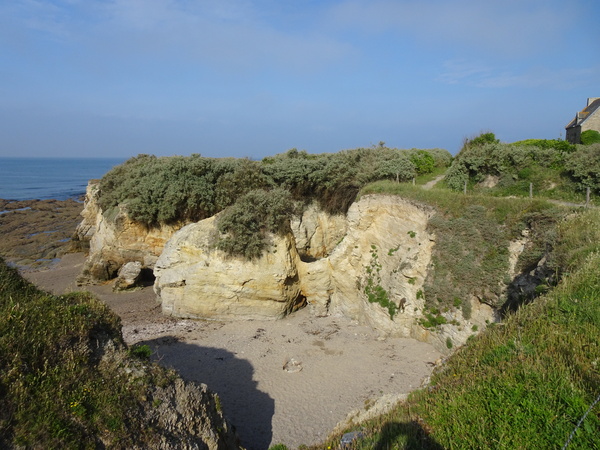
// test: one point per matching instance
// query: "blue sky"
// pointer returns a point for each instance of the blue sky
(248, 78)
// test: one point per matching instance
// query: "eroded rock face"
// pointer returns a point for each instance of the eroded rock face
(114, 240)
(195, 280)
(317, 233)
(356, 265)
(187, 416)
(385, 248)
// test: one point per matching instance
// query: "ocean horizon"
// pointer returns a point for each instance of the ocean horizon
(50, 178)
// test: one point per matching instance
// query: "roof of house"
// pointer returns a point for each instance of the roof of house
(584, 114)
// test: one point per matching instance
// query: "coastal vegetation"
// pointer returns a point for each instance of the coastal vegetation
(260, 195)
(67, 379)
(530, 382)
(473, 234)
(543, 168)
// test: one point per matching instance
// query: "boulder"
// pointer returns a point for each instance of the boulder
(129, 276)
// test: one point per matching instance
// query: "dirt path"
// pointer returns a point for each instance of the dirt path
(286, 381)
(433, 182)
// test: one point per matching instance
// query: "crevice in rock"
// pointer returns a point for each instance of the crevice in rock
(528, 285)
(298, 303)
(147, 276)
(305, 257)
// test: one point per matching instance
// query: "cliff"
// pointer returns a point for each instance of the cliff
(370, 265)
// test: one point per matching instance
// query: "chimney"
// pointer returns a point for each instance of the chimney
(592, 99)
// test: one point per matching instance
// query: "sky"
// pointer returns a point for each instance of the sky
(252, 78)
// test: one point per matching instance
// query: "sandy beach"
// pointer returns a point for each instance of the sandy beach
(287, 381)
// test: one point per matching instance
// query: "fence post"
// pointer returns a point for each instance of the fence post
(530, 190)
(465, 188)
(587, 197)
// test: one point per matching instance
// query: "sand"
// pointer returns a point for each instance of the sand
(286, 381)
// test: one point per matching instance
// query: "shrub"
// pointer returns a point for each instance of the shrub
(511, 163)
(545, 144)
(422, 160)
(246, 223)
(141, 351)
(589, 137)
(482, 139)
(441, 157)
(164, 190)
(393, 164)
(583, 166)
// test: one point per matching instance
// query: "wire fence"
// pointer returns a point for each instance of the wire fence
(580, 422)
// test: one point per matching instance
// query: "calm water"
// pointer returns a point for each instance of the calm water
(50, 178)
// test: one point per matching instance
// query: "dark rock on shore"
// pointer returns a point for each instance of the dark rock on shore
(36, 232)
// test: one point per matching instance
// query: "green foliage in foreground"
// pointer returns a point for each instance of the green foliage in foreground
(523, 384)
(57, 388)
(472, 237)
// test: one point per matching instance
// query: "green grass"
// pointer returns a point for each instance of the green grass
(547, 183)
(523, 384)
(60, 384)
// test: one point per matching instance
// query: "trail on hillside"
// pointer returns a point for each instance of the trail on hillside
(433, 182)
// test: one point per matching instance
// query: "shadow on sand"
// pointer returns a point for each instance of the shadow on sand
(247, 408)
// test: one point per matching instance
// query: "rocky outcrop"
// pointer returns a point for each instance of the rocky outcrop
(187, 415)
(194, 279)
(178, 414)
(379, 252)
(114, 240)
(386, 246)
(369, 265)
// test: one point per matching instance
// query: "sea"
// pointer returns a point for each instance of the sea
(50, 178)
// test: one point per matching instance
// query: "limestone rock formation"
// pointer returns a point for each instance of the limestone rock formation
(91, 210)
(381, 247)
(194, 279)
(369, 265)
(317, 233)
(114, 240)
